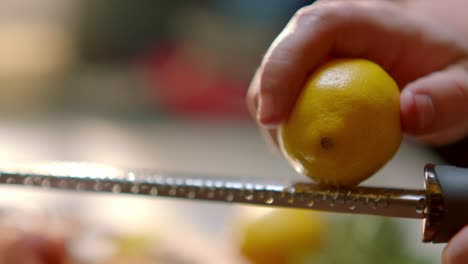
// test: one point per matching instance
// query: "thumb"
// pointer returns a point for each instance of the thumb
(456, 251)
(434, 108)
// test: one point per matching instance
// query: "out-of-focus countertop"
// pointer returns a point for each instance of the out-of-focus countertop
(217, 148)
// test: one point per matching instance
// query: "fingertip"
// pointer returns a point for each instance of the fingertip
(252, 97)
(252, 104)
(417, 112)
(268, 111)
(272, 123)
(271, 137)
(456, 251)
(436, 113)
(408, 112)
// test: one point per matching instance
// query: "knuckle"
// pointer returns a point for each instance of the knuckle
(315, 13)
(329, 14)
(303, 11)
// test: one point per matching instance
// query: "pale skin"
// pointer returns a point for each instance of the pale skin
(423, 45)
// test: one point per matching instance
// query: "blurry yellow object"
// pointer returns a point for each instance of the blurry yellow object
(33, 55)
(135, 245)
(33, 49)
(346, 123)
(280, 235)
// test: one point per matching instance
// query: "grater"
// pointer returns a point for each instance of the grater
(442, 203)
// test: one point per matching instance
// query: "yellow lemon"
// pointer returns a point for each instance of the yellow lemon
(280, 235)
(345, 124)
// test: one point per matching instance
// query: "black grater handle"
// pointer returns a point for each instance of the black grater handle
(450, 206)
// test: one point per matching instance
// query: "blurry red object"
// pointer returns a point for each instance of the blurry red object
(38, 250)
(186, 86)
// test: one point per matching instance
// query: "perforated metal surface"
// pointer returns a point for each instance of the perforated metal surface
(260, 191)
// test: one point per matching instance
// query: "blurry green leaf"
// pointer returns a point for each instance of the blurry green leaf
(364, 240)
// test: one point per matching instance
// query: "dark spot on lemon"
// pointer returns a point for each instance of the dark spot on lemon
(326, 143)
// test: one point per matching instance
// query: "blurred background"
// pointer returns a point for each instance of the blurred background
(149, 60)
(154, 84)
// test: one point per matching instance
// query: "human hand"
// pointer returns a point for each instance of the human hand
(427, 60)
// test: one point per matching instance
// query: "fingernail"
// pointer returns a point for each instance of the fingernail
(456, 251)
(266, 111)
(425, 111)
